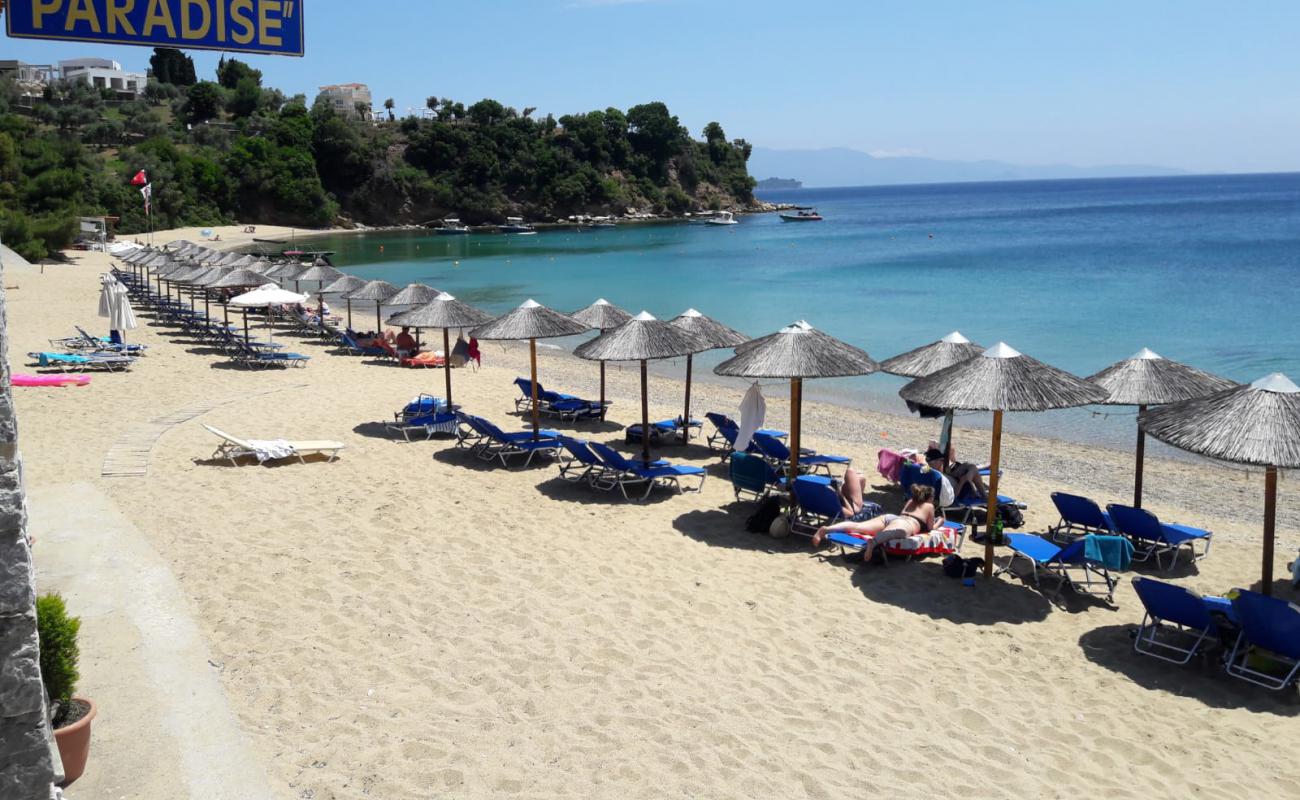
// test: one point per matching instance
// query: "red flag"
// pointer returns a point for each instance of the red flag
(140, 179)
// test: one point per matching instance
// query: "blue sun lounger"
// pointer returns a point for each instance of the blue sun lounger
(752, 475)
(1177, 622)
(578, 463)
(778, 453)
(670, 429)
(1067, 563)
(350, 343)
(725, 431)
(77, 362)
(1152, 537)
(108, 345)
(557, 404)
(1270, 632)
(1079, 516)
(622, 472)
(425, 414)
(492, 443)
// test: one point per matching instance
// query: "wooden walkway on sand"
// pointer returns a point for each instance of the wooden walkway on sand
(128, 457)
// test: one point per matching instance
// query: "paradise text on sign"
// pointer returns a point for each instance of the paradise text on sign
(273, 27)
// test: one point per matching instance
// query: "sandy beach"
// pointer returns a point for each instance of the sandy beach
(408, 622)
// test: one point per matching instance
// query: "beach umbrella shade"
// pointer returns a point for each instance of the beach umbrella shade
(1149, 379)
(1257, 424)
(716, 336)
(445, 312)
(237, 278)
(348, 283)
(284, 271)
(1000, 379)
(377, 292)
(642, 338)
(122, 315)
(413, 294)
(797, 352)
(602, 315)
(951, 349)
(531, 321)
(320, 273)
(268, 294)
(106, 295)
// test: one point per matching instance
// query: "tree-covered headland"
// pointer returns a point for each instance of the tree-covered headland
(233, 149)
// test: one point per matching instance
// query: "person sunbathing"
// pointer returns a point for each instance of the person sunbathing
(918, 516)
(852, 491)
(964, 474)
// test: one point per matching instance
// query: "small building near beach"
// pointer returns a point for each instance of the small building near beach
(104, 73)
(347, 99)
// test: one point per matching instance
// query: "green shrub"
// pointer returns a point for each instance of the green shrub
(58, 637)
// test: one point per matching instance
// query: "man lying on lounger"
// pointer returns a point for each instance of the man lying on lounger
(918, 516)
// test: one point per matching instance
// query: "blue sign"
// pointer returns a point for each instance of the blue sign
(270, 27)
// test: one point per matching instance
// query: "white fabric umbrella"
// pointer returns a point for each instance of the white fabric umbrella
(106, 282)
(268, 294)
(122, 317)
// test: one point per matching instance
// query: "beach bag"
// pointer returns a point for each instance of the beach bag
(1009, 514)
(761, 520)
(954, 566)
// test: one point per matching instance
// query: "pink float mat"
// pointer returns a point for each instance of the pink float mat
(49, 380)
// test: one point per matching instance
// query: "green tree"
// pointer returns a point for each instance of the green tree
(388, 106)
(245, 99)
(231, 72)
(202, 101)
(170, 65)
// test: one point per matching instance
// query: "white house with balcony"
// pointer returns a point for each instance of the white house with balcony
(344, 97)
(104, 73)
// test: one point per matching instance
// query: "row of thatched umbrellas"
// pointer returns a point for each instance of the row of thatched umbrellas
(1257, 424)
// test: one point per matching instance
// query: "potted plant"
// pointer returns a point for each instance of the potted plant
(70, 716)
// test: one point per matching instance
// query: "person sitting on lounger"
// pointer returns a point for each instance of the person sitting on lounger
(852, 491)
(964, 475)
(918, 516)
(405, 343)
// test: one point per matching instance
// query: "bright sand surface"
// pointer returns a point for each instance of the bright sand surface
(408, 622)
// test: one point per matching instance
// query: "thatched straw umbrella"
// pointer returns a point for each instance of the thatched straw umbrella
(796, 352)
(446, 312)
(410, 296)
(239, 278)
(377, 292)
(1000, 379)
(602, 315)
(1149, 379)
(320, 273)
(951, 349)
(716, 336)
(1257, 424)
(531, 321)
(284, 271)
(348, 283)
(642, 338)
(209, 276)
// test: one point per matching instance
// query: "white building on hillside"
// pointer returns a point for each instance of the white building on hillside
(344, 97)
(104, 73)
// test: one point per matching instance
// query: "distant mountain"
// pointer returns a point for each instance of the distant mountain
(841, 166)
(778, 183)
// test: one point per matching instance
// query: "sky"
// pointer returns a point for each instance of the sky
(1199, 85)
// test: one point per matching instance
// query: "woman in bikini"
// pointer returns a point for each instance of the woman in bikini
(918, 516)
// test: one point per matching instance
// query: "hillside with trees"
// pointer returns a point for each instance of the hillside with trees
(232, 149)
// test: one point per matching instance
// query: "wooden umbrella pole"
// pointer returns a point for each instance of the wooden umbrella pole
(645, 416)
(686, 417)
(246, 340)
(1270, 520)
(349, 300)
(446, 362)
(532, 360)
(796, 403)
(602, 391)
(379, 323)
(992, 502)
(1141, 454)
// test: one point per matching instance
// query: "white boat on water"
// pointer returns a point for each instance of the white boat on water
(722, 218)
(451, 226)
(516, 225)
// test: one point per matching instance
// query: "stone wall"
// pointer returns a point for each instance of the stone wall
(27, 767)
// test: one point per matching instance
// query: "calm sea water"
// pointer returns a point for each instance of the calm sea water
(1079, 274)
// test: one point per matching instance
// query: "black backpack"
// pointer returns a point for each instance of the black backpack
(761, 520)
(1010, 515)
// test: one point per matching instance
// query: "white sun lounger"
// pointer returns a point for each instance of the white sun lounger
(232, 448)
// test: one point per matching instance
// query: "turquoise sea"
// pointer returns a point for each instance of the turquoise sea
(1079, 273)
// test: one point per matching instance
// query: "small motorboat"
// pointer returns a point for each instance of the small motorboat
(801, 215)
(516, 225)
(602, 222)
(451, 226)
(722, 218)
